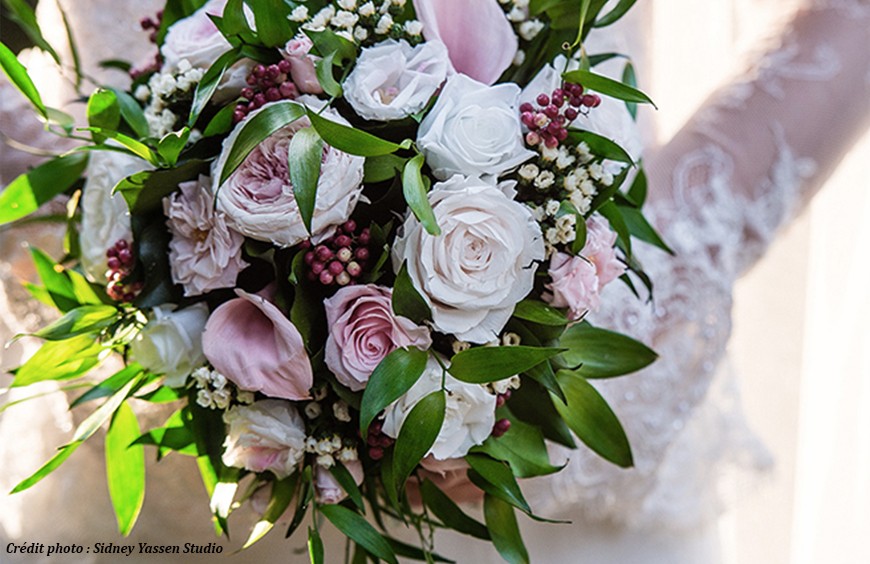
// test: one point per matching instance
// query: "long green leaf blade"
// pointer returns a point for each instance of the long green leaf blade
(607, 86)
(501, 520)
(28, 192)
(360, 531)
(481, 365)
(393, 377)
(19, 78)
(125, 468)
(305, 154)
(417, 435)
(416, 191)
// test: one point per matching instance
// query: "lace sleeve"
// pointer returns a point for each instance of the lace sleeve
(759, 147)
(743, 165)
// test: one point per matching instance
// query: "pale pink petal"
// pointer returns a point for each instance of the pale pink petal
(480, 40)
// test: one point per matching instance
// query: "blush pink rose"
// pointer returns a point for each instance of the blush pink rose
(204, 253)
(480, 40)
(254, 345)
(268, 435)
(363, 330)
(577, 281)
(326, 487)
(302, 69)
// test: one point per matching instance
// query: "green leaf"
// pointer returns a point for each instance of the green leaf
(315, 546)
(614, 216)
(327, 81)
(391, 378)
(383, 168)
(233, 18)
(417, 435)
(600, 146)
(416, 191)
(257, 128)
(481, 365)
(74, 52)
(532, 404)
(592, 420)
(501, 520)
(630, 78)
(270, 19)
(103, 111)
(19, 78)
(102, 414)
(47, 468)
(55, 280)
(615, 14)
(327, 42)
(209, 83)
(221, 123)
(28, 192)
(132, 113)
(172, 144)
(522, 447)
(407, 301)
(495, 478)
(125, 468)
(347, 482)
(360, 531)
(543, 372)
(584, 10)
(539, 312)
(580, 234)
(607, 86)
(350, 140)
(305, 155)
(638, 190)
(603, 354)
(639, 227)
(449, 513)
(282, 495)
(21, 13)
(109, 386)
(60, 360)
(414, 553)
(144, 191)
(138, 148)
(79, 321)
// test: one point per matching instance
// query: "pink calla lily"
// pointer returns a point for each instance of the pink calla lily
(480, 40)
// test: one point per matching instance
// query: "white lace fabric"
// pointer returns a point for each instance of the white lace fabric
(720, 189)
(749, 159)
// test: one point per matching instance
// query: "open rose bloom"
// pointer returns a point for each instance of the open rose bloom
(358, 244)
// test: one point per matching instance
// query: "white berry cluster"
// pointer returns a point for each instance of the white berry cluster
(526, 27)
(215, 391)
(163, 91)
(562, 174)
(365, 23)
(329, 449)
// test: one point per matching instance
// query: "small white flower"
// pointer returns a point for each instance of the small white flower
(516, 15)
(510, 340)
(348, 455)
(565, 159)
(399, 3)
(312, 410)
(201, 377)
(244, 396)
(310, 445)
(530, 29)
(320, 393)
(218, 380)
(521, 4)
(459, 346)
(519, 58)
(529, 171)
(549, 154)
(299, 14)
(340, 411)
(367, 9)
(552, 235)
(346, 4)
(413, 27)
(566, 222)
(345, 19)
(203, 399)
(552, 207)
(360, 34)
(142, 93)
(325, 460)
(335, 442)
(221, 398)
(587, 187)
(324, 446)
(385, 24)
(545, 180)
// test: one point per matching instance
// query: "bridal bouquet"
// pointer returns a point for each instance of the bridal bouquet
(354, 243)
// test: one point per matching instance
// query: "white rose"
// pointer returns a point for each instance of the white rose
(258, 197)
(482, 264)
(468, 419)
(393, 80)
(473, 129)
(171, 342)
(266, 435)
(105, 217)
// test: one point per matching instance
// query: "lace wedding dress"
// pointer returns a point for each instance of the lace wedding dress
(719, 190)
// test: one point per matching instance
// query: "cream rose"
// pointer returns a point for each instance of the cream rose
(468, 418)
(171, 342)
(482, 264)
(268, 435)
(105, 216)
(258, 197)
(393, 80)
(473, 129)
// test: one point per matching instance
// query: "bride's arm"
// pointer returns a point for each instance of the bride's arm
(759, 148)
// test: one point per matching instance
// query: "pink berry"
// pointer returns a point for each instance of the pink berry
(571, 114)
(309, 258)
(273, 95)
(562, 134)
(533, 138)
(558, 93)
(550, 141)
(376, 453)
(551, 111)
(288, 89)
(336, 268)
(554, 128)
(326, 278)
(588, 100)
(322, 252)
(247, 93)
(344, 254)
(365, 237)
(525, 107)
(343, 241)
(361, 254)
(125, 256)
(354, 269)
(284, 66)
(317, 267)
(111, 252)
(596, 100)
(542, 99)
(259, 100)
(272, 72)
(528, 119)
(251, 80)
(114, 263)
(343, 279)
(349, 227)
(122, 244)
(259, 71)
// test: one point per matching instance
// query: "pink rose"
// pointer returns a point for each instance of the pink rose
(268, 435)
(326, 487)
(577, 281)
(204, 253)
(363, 330)
(302, 69)
(253, 344)
(480, 40)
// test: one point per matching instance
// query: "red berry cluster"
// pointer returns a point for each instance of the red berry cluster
(377, 441)
(341, 258)
(151, 25)
(121, 263)
(266, 83)
(501, 399)
(548, 123)
(501, 427)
